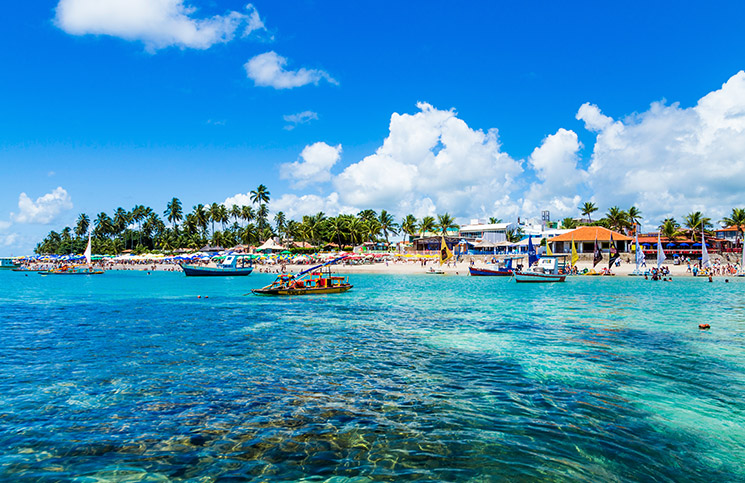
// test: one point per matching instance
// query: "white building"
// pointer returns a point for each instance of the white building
(488, 232)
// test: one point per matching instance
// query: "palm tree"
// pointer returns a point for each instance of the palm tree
(247, 213)
(235, 213)
(634, 215)
(568, 223)
(261, 216)
(213, 211)
(367, 215)
(104, 225)
(617, 218)
(280, 221)
(201, 217)
(174, 212)
(357, 229)
(697, 222)
(409, 225)
(670, 229)
(337, 227)
(588, 209)
(427, 225)
(446, 222)
(121, 220)
(493, 220)
(514, 236)
(260, 195)
(387, 224)
(736, 219)
(81, 228)
(223, 216)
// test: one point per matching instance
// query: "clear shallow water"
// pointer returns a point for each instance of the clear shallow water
(130, 377)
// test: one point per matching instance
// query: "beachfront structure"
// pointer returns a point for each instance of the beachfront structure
(487, 232)
(729, 234)
(584, 239)
(683, 246)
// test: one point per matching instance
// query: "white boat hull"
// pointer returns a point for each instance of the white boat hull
(530, 277)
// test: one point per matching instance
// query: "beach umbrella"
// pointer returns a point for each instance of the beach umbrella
(684, 244)
(646, 245)
(670, 245)
(696, 245)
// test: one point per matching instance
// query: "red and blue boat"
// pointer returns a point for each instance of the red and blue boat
(229, 267)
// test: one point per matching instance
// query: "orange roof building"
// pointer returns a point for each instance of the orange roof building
(584, 239)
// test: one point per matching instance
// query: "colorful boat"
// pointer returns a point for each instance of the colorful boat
(228, 268)
(73, 270)
(311, 281)
(501, 269)
(548, 269)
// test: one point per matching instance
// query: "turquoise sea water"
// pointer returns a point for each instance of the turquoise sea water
(131, 377)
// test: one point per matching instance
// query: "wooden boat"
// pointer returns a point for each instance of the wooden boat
(548, 269)
(73, 270)
(502, 269)
(228, 268)
(311, 281)
(435, 271)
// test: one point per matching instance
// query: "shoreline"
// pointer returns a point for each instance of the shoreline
(415, 268)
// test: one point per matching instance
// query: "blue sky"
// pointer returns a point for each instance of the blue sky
(119, 107)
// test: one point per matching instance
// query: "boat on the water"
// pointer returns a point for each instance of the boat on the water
(311, 281)
(8, 263)
(548, 269)
(232, 266)
(503, 268)
(77, 269)
(72, 270)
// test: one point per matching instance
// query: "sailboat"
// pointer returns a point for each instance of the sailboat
(705, 261)
(445, 255)
(639, 256)
(77, 270)
(741, 271)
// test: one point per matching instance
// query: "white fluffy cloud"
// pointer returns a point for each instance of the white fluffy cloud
(156, 23)
(240, 199)
(44, 209)
(430, 160)
(555, 164)
(294, 206)
(300, 118)
(670, 160)
(268, 70)
(314, 166)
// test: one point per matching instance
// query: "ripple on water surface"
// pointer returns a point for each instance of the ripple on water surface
(130, 377)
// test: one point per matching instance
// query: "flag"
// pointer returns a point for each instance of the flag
(705, 262)
(575, 257)
(532, 257)
(597, 257)
(548, 249)
(660, 252)
(612, 252)
(445, 253)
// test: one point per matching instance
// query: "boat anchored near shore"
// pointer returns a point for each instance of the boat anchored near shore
(311, 281)
(548, 269)
(228, 268)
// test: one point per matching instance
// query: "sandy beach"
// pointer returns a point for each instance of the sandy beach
(410, 267)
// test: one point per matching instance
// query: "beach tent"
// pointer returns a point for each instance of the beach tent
(270, 246)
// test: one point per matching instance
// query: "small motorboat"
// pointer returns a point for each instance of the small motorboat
(311, 281)
(229, 267)
(547, 269)
(503, 268)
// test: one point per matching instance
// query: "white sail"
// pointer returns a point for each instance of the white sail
(705, 262)
(88, 250)
(660, 252)
(742, 261)
(639, 252)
